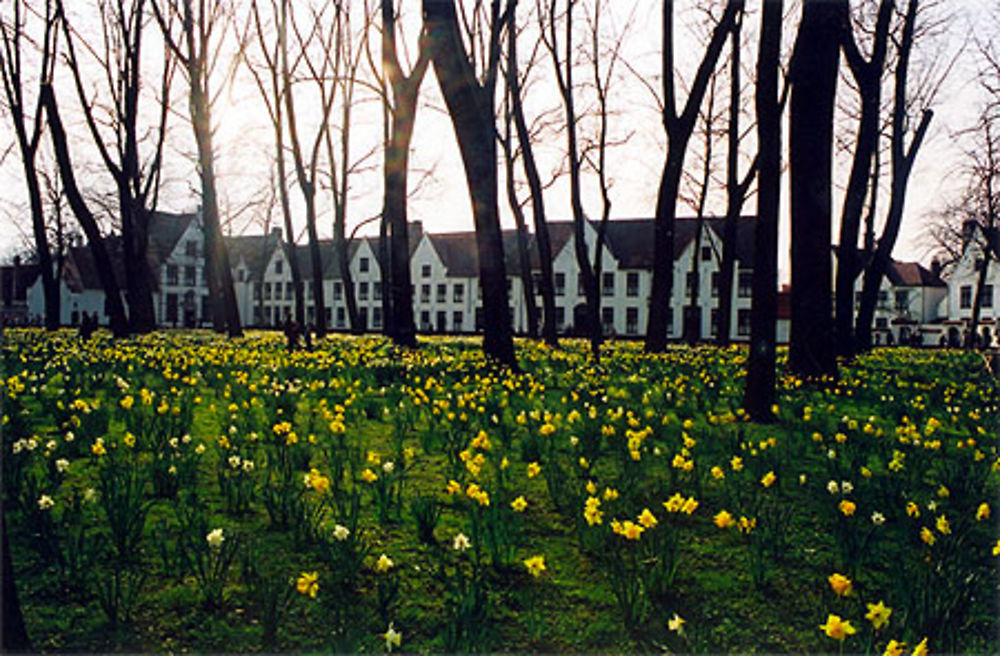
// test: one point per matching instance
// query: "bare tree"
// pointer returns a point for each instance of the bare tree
(117, 133)
(306, 170)
(402, 113)
(543, 242)
(271, 92)
(198, 55)
(28, 126)
(814, 67)
(903, 157)
(759, 393)
(471, 107)
(679, 126)
(95, 240)
(867, 75)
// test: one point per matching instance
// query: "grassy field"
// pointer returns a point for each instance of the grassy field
(182, 493)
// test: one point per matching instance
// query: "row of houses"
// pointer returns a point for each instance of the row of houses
(916, 304)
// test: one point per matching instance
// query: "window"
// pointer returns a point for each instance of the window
(690, 283)
(241, 275)
(458, 293)
(442, 292)
(257, 291)
(608, 319)
(190, 276)
(363, 291)
(581, 289)
(631, 321)
(632, 284)
(881, 322)
(363, 318)
(425, 271)
(883, 299)
(706, 253)
(743, 322)
(279, 267)
(425, 320)
(206, 309)
(277, 291)
(442, 320)
(377, 317)
(338, 290)
(536, 281)
(670, 322)
(715, 284)
(172, 274)
(377, 291)
(987, 301)
(267, 291)
(363, 265)
(965, 297)
(341, 317)
(327, 315)
(456, 321)
(560, 284)
(902, 301)
(191, 248)
(715, 322)
(289, 291)
(425, 293)
(560, 318)
(745, 286)
(172, 308)
(608, 283)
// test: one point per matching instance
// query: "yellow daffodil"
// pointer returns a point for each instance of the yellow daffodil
(983, 512)
(723, 519)
(533, 469)
(942, 525)
(878, 614)
(535, 565)
(519, 504)
(647, 519)
(769, 479)
(308, 584)
(847, 507)
(837, 628)
(840, 584)
(894, 648)
(921, 648)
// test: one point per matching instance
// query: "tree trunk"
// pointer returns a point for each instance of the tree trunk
(902, 165)
(222, 296)
(814, 86)
(868, 76)
(735, 193)
(679, 127)
(546, 284)
(102, 262)
(50, 282)
(470, 106)
(288, 242)
(759, 391)
(523, 254)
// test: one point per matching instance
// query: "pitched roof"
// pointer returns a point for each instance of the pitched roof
(165, 230)
(254, 250)
(912, 274)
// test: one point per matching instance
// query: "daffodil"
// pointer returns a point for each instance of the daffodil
(768, 479)
(535, 565)
(308, 584)
(921, 648)
(676, 623)
(723, 519)
(519, 504)
(837, 628)
(983, 512)
(894, 648)
(392, 637)
(840, 584)
(384, 564)
(878, 614)
(647, 519)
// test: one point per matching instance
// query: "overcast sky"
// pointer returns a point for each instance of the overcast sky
(245, 146)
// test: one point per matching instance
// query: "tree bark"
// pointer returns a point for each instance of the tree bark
(678, 128)
(102, 262)
(759, 392)
(868, 76)
(550, 328)
(902, 164)
(814, 86)
(15, 635)
(470, 105)
(405, 90)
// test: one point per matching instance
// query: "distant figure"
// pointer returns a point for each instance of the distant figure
(291, 332)
(87, 326)
(308, 336)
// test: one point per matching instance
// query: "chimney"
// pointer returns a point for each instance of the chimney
(936, 267)
(276, 231)
(415, 230)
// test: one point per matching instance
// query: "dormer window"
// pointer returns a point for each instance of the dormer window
(363, 265)
(279, 266)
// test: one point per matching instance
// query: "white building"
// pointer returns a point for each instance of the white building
(444, 273)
